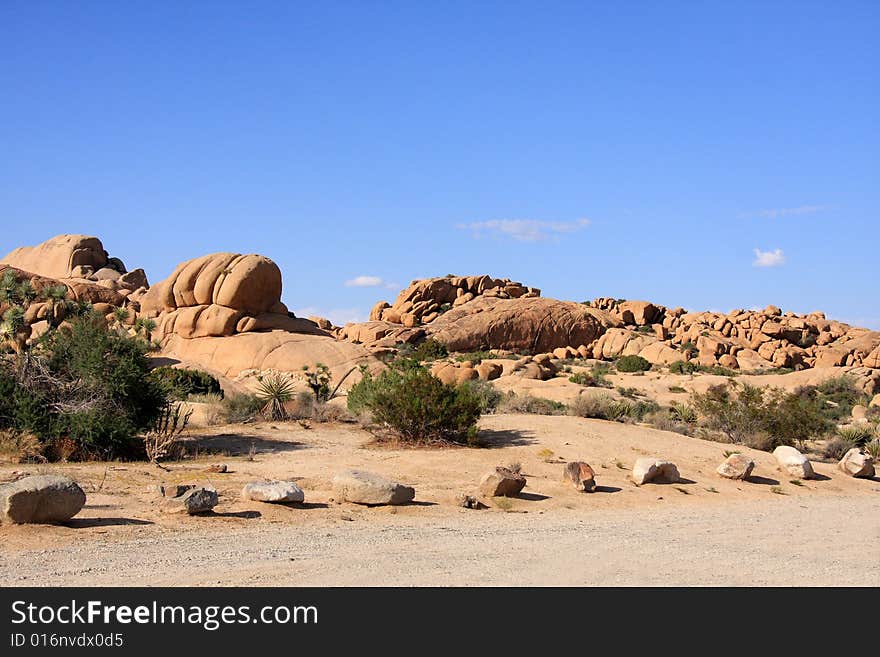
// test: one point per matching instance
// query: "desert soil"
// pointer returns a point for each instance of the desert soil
(703, 531)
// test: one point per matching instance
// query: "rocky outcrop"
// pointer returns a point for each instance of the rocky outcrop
(528, 325)
(857, 463)
(425, 300)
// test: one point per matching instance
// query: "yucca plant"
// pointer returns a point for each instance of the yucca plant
(683, 413)
(120, 316)
(58, 304)
(856, 436)
(274, 390)
(145, 326)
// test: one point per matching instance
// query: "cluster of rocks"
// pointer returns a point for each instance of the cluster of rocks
(205, 302)
(746, 339)
(459, 372)
(425, 300)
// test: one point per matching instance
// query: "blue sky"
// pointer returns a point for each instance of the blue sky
(705, 154)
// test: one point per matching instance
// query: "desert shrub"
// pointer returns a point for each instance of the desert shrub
(836, 397)
(582, 379)
(761, 418)
(429, 350)
(411, 404)
(872, 447)
(19, 447)
(488, 394)
(528, 404)
(645, 329)
(717, 370)
(632, 364)
(664, 421)
(836, 447)
(589, 406)
(676, 389)
(599, 371)
(162, 437)
(476, 357)
(689, 349)
(245, 407)
(682, 367)
(629, 393)
(85, 386)
(180, 384)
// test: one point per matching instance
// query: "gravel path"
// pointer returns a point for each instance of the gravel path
(785, 541)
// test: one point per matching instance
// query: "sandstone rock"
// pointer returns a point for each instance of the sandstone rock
(247, 283)
(40, 499)
(367, 488)
(376, 311)
(502, 482)
(134, 280)
(857, 463)
(736, 466)
(581, 475)
(641, 313)
(875, 402)
(792, 462)
(648, 469)
(728, 361)
(489, 371)
(193, 501)
(524, 324)
(273, 491)
(859, 412)
(219, 468)
(60, 256)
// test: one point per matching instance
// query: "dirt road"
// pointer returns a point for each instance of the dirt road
(785, 541)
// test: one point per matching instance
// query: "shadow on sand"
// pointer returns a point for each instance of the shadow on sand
(506, 438)
(86, 523)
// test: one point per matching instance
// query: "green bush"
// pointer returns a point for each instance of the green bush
(427, 350)
(632, 364)
(583, 379)
(411, 404)
(476, 357)
(244, 407)
(488, 394)
(513, 403)
(181, 383)
(758, 417)
(83, 386)
(836, 397)
(682, 367)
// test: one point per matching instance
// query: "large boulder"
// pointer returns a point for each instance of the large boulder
(275, 350)
(502, 482)
(857, 463)
(581, 475)
(736, 466)
(793, 463)
(249, 283)
(531, 325)
(647, 469)
(370, 489)
(273, 491)
(40, 499)
(60, 256)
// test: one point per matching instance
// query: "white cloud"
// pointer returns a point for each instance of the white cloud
(775, 213)
(364, 281)
(338, 316)
(769, 258)
(525, 230)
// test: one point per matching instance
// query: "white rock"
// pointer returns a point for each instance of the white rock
(272, 491)
(647, 469)
(367, 488)
(793, 462)
(858, 463)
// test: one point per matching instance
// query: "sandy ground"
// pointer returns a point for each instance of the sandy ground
(704, 530)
